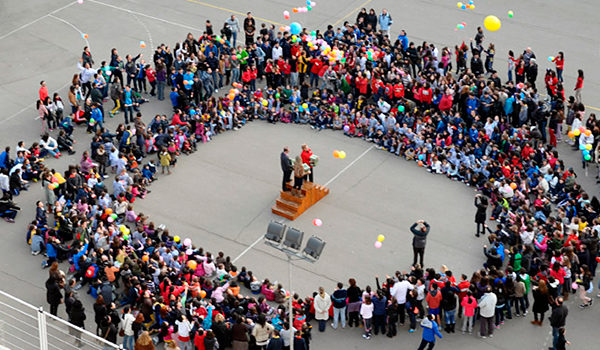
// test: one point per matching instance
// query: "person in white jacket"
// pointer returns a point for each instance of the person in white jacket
(487, 308)
(322, 304)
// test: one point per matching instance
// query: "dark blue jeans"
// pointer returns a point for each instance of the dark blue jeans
(322, 324)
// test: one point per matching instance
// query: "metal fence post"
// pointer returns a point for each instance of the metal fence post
(42, 329)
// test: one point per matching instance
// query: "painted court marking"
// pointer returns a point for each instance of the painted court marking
(37, 20)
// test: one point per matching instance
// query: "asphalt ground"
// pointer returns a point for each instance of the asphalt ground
(221, 195)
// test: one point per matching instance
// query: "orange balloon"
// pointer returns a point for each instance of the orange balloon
(587, 132)
(202, 294)
(192, 264)
(513, 185)
(108, 211)
(570, 134)
(295, 10)
(336, 153)
(420, 163)
(145, 258)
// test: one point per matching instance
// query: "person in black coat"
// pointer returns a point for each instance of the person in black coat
(53, 295)
(286, 167)
(481, 203)
(109, 330)
(77, 318)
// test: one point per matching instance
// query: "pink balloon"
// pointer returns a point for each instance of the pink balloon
(317, 222)
(110, 219)
(189, 251)
(575, 285)
(378, 244)
(187, 242)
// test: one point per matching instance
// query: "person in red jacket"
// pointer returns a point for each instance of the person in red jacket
(559, 61)
(306, 153)
(151, 75)
(446, 101)
(468, 303)
(399, 90)
(316, 65)
(578, 86)
(426, 94)
(43, 91)
(361, 84)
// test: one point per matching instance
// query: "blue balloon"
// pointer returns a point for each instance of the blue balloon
(295, 28)
(308, 2)
(581, 147)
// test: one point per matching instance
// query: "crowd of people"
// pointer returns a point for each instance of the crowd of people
(499, 137)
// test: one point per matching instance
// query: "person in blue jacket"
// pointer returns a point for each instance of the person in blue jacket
(430, 331)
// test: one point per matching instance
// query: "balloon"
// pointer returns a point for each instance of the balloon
(176, 239)
(309, 8)
(192, 264)
(492, 23)
(346, 128)
(238, 56)
(110, 219)
(114, 216)
(122, 228)
(378, 244)
(265, 103)
(80, 2)
(295, 10)
(420, 163)
(187, 242)
(126, 237)
(84, 35)
(400, 108)
(513, 185)
(380, 238)
(471, 6)
(295, 28)
(581, 147)
(576, 132)
(587, 157)
(190, 251)
(550, 58)
(305, 105)
(308, 2)
(336, 154)
(145, 258)
(142, 44)
(459, 4)
(313, 33)
(277, 95)
(234, 57)
(202, 294)
(231, 96)
(342, 154)
(510, 14)
(574, 285)
(582, 128)
(598, 259)
(317, 222)
(587, 132)
(286, 14)
(570, 134)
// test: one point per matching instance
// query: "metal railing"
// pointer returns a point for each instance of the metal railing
(24, 327)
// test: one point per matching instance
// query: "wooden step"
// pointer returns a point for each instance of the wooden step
(288, 196)
(284, 213)
(290, 206)
(287, 205)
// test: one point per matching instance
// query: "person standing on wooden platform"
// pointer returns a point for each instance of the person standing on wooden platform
(286, 167)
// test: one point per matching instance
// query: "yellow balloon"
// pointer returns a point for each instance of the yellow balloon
(492, 23)
(342, 155)
(576, 132)
(380, 238)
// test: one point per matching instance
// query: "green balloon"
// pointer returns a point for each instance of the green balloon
(588, 157)
(400, 108)
(309, 8)
(277, 95)
(313, 33)
(238, 56)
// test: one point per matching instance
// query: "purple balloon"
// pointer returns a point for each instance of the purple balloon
(346, 128)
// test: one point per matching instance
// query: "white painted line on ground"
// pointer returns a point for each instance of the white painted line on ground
(151, 47)
(32, 107)
(247, 249)
(37, 20)
(147, 16)
(87, 43)
(348, 166)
